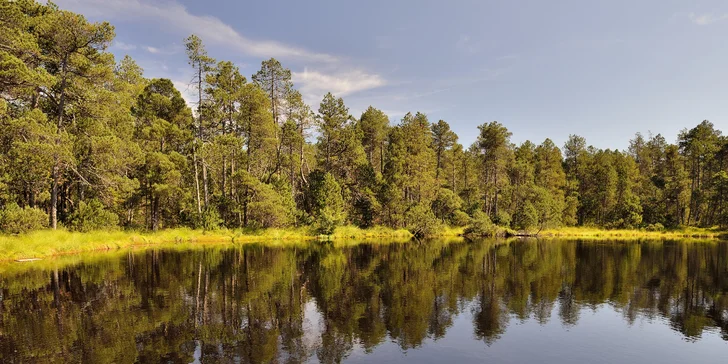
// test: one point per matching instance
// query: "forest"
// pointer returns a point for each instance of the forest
(88, 143)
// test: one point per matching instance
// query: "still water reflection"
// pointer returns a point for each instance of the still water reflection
(518, 301)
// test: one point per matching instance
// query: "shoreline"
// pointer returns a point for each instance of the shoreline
(596, 233)
(35, 245)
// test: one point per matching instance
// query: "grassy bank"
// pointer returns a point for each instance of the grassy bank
(596, 233)
(49, 243)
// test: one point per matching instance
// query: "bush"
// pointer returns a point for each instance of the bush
(460, 218)
(421, 221)
(327, 220)
(446, 203)
(16, 220)
(655, 227)
(92, 216)
(326, 202)
(480, 225)
(208, 220)
(502, 218)
(271, 209)
(526, 217)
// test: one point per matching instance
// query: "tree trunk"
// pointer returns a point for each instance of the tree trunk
(56, 168)
(200, 133)
(197, 179)
(54, 198)
(381, 157)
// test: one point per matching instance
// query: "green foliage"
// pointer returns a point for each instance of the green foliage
(271, 207)
(421, 221)
(92, 216)
(460, 218)
(208, 220)
(526, 217)
(446, 203)
(481, 225)
(326, 203)
(76, 126)
(17, 220)
(502, 218)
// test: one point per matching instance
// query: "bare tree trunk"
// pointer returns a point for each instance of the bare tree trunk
(204, 182)
(56, 170)
(197, 180)
(381, 157)
(54, 197)
(303, 142)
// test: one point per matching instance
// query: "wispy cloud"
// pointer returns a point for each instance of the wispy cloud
(123, 46)
(168, 50)
(314, 84)
(465, 44)
(212, 30)
(707, 18)
(153, 50)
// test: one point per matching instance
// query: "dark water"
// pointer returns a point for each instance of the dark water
(514, 302)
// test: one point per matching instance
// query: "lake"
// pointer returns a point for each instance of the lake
(546, 301)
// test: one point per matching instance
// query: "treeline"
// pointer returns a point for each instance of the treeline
(87, 142)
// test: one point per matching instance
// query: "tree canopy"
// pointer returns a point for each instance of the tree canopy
(79, 128)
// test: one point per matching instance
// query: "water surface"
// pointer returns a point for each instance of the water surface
(498, 302)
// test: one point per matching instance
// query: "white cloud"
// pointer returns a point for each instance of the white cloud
(172, 15)
(707, 18)
(123, 46)
(339, 77)
(466, 45)
(314, 85)
(173, 49)
(188, 93)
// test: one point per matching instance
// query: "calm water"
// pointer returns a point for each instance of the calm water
(522, 301)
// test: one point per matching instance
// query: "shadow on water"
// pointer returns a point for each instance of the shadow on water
(257, 304)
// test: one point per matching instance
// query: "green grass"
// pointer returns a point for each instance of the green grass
(51, 243)
(353, 232)
(596, 233)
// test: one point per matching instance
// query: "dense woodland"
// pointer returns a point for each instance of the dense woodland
(87, 142)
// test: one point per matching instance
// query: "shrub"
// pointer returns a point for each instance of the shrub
(446, 203)
(526, 217)
(326, 202)
(270, 208)
(327, 220)
(92, 216)
(655, 227)
(208, 220)
(421, 221)
(17, 220)
(460, 218)
(502, 218)
(480, 225)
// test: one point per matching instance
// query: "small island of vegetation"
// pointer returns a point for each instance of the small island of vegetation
(91, 146)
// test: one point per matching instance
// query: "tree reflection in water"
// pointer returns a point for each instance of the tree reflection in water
(258, 304)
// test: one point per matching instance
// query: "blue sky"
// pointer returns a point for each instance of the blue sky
(600, 69)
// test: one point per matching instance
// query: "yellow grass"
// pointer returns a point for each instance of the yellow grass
(49, 243)
(588, 232)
